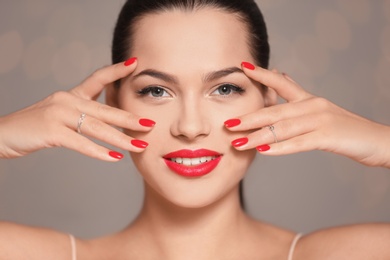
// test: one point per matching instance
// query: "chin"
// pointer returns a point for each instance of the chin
(192, 193)
(188, 201)
(169, 188)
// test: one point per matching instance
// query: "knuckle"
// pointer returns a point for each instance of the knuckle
(54, 105)
(58, 96)
(103, 109)
(98, 74)
(286, 126)
(95, 76)
(321, 103)
(95, 125)
(274, 114)
(126, 119)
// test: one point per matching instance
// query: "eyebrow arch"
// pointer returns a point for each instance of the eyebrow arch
(173, 80)
(221, 73)
(158, 74)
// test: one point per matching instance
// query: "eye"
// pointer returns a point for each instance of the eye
(153, 91)
(227, 89)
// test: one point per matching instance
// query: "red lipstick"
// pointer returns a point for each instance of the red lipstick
(192, 163)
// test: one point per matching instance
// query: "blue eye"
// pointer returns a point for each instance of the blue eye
(227, 89)
(154, 92)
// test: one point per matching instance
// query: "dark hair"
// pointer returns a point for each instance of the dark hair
(246, 10)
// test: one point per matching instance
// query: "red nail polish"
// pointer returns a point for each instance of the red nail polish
(263, 148)
(240, 142)
(139, 143)
(115, 155)
(130, 61)
(232, 122)
(146, 122)
(248, 65)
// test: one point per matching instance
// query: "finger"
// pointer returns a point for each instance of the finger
(99, 130)
(285, 88)
(114, 116)
(83, 145)
(302, 143)
(94, 84)
(279, 132)
(274, 114)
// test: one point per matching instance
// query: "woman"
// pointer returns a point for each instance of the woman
(195, 110)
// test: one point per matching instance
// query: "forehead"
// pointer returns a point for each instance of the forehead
(209, 36)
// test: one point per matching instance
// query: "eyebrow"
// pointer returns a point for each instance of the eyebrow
(157, 74)
(214, 75)
(221, 73)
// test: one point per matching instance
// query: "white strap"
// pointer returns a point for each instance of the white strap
(292, 247)
(290, 253)
(73, 247)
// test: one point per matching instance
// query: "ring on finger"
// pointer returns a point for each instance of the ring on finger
(80, 122)
(272, 129)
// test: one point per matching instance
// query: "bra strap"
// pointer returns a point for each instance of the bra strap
(292, 247)
(73, 247)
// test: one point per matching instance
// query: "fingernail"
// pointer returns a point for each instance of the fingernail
(146, 122)
(232, 122)
(115, 155)
(139, 143)
(130, 61)
(263, 148)
(240, 142)
(248, 65)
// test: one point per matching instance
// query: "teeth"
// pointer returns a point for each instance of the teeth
(186, 161)
(193, 161)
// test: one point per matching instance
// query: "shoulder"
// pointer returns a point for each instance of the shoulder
(368, 241)
(24, 242)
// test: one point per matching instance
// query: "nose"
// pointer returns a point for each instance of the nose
(191, 121)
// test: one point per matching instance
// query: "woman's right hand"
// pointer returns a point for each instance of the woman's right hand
(53, 122)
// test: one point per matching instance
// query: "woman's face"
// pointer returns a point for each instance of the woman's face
(189, 81)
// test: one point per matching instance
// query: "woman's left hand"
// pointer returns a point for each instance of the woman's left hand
(306, 122)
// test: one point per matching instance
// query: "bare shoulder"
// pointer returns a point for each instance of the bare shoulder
(24, 242)
(366, 241)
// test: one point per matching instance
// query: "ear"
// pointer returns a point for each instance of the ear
(270, 97)
(112, 93)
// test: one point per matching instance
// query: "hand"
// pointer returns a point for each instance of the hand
(53, 122)
(306, 122)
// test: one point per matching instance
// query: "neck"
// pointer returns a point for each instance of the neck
(179, 231)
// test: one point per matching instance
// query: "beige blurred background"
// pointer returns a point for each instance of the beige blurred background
(338, 49)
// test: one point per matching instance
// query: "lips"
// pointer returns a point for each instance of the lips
(192, 163)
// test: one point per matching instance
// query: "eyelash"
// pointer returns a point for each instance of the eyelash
(232, 88)
(148, 90)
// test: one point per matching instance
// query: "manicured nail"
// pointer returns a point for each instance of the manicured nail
(263, 148)
(139, 143)
(146, 122)
(130, 61)
(240, 142)
(115, 155)
(248, 65)
(232, 122)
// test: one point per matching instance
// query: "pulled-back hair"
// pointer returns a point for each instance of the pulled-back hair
(246, 10)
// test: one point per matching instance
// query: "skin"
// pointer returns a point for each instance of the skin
(192, 112)
(178, 212)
